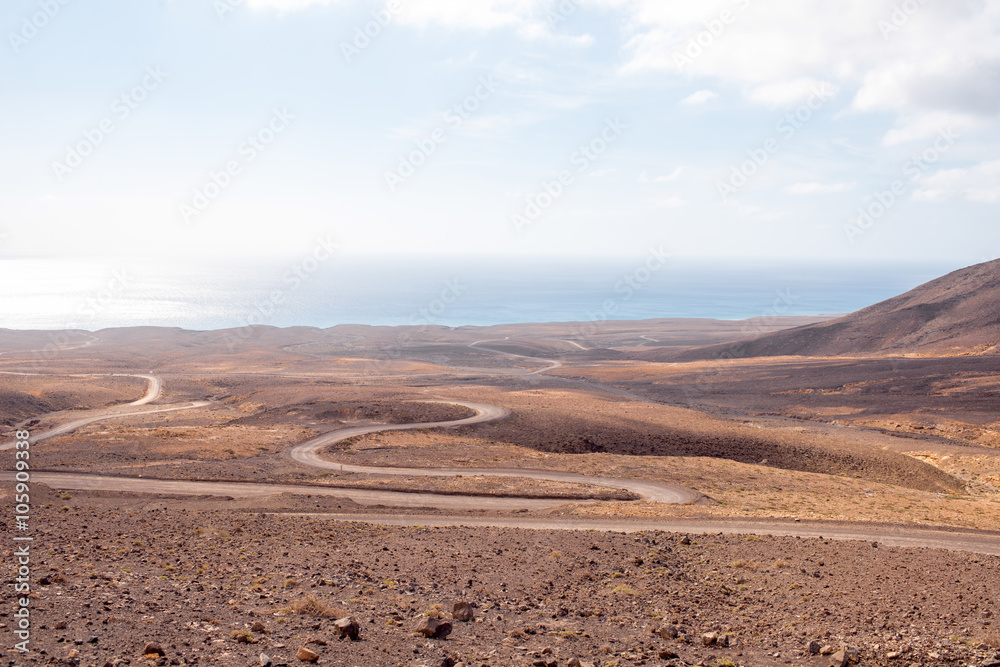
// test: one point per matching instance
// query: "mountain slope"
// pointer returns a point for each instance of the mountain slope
(956, 314)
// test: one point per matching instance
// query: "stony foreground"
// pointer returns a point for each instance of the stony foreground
(172, 584)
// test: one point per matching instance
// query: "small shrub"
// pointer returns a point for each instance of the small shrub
(242, 636)
(313, 607)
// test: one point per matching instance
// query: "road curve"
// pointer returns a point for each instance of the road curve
(152, 393)
(551, 364)
(77, 423)
(309, 452)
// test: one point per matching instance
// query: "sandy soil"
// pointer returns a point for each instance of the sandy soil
(906, 442)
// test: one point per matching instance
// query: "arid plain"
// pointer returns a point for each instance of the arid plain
(615, 493)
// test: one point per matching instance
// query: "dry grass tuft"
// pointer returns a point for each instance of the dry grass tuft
(745, 565)
(312, 606)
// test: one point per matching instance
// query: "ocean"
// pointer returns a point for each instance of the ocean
(94, 294)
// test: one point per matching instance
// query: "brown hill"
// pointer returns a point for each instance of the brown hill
(956, 314)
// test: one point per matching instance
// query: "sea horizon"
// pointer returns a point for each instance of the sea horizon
(93, 294)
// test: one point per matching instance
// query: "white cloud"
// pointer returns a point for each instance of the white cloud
(942, 59)
(286, 5)
(980, 183)
(671, 202)
(672, 176)
(917, 126)
(700, 97)
(530, 17)
(761, 214)
(818, 188)
(795, 91)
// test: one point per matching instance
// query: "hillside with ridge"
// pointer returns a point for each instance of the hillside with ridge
(957, 314)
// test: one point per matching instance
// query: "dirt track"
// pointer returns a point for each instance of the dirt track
(308, 453)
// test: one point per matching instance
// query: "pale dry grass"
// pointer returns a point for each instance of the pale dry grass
(313, 607)
(738, 489)
(211, 442)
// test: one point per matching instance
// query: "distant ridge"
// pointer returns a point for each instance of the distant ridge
(957, 314)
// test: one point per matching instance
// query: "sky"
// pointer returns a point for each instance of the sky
(861, 130)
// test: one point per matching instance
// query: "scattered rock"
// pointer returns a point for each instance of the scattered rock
(666, 654)
(431, 627)
(709, 638)
(685, 540)
(265, 660)
(305, 655)
(893, 655)
(826, 650)
(462, 611)
(813, 647)
(153, 649)
(349, 628)
(258, 627)
(667, 632)
(839, 659)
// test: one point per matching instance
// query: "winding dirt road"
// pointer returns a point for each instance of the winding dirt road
(152, 393)
(551, 364)
(309, 453)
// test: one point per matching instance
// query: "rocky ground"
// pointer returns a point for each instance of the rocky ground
(134, 580)
(121, 575)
